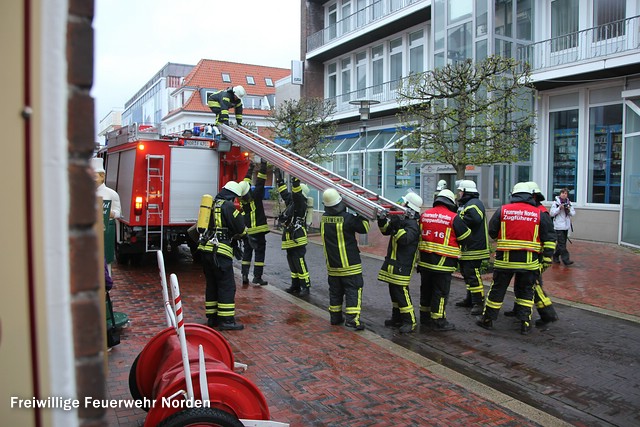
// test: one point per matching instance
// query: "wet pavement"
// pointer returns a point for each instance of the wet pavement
(581, 371)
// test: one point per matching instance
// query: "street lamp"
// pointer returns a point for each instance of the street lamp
(365, 111)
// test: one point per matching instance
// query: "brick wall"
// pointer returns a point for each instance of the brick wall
(85, 267)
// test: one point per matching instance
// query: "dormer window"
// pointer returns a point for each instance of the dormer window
(226, 78)
(250, 80)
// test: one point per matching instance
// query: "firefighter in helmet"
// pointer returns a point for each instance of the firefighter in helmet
(398, 265)
(222, 101)
(442, 185)
(546, 310)
(344, 266)
(442, 230)
(475, 249)
(522, 233)
(225, 227)
(294, 233)
(256, 221)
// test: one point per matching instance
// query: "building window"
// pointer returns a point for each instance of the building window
(608, 18)
(226, 78)
(563, 143)
(564, 24)
(361, 74)
(459, 10)
(268, 82)
(377, 68)
(332, 81)
(459, 43)
(332, 21)
(345, 77)
(605, 154)
(416, 52)
(250, 80)
(395, 62)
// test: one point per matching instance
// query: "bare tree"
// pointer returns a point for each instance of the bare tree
(469, 113)
(304, 123)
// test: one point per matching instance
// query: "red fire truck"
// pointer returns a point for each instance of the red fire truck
(160, 180)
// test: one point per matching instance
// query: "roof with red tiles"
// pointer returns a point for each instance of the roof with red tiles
(208, 74)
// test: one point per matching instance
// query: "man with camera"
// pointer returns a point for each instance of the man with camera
(561, 211)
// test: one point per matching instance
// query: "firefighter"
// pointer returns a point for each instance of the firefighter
(521, 231)
(442, 185)
(475, 249)
(294, 234)
(399, 262)
(256, 221)
(225, 228)
(344, 266)
(107, 194)
(542, 302)
(221, 101)
(442, 230)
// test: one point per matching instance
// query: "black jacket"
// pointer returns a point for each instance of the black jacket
(295, 230)
(338, 229)
(402, 249)
(254, 216)
(221, 102)
(472, 212)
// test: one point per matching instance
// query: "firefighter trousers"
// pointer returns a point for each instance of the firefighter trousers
(434, 292)
(220, 292)
(542, 302)
(470, 270)
(260, 249)
(347, 290)
(522, 288)
(299, 273)
(402, 307)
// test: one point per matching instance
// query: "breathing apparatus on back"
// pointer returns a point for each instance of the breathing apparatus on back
(204, 215)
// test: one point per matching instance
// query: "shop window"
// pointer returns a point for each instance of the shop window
(563, 143)
(605, 154)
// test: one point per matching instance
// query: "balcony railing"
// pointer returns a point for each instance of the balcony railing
(385, 93)
(372, 13)
(583, 46)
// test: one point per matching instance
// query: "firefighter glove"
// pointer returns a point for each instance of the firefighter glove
(382, 221)
(546, 262)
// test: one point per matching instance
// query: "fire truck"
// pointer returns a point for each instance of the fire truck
(160, 180)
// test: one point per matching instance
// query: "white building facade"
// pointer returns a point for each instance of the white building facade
(584, 56)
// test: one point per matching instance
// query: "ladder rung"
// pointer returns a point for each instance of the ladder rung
(336, 179)
(347, 184)
(358, 191)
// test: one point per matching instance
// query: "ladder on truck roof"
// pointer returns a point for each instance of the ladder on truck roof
(363, 201)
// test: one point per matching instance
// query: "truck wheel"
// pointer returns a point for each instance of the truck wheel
(201, 417)
(133, 384)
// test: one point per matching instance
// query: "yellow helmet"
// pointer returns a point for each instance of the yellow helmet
(331, 197)
(234, 187)
(239, 91)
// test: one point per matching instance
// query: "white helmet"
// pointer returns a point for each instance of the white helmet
(330, 197)
(244, 187)
(521, 187)
(305, 190)
(442, 184)
(468, 186)
(239, 91)
(535, 189)
(98, 164)
(413, 201)
(447, 197)
(234, 187)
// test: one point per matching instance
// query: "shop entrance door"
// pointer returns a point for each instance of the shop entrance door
(630, 212)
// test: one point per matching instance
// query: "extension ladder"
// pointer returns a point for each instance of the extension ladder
(358, 198)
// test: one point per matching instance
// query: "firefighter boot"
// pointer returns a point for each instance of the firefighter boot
(258, 281)
(425, 318)
(511, 313)
(395, 321)
(525, 327)
(548, 315)
(477, 302)
(485, 322)
(442, 325)
(337, 318)
(408, 323)
(466, 302)
(353, 321)
(212, 320)
(294, 288)
(304, 290)
(230, 324)
(245, 280)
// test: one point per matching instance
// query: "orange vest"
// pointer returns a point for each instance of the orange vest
(436, 226)
(519, 228)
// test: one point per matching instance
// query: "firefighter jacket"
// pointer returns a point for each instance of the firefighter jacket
(402, 250)
(293, 219)
(521, 232)
(226, 225)
(221, 101)
(338, 229)
(254, 216)
(472, 212)
(441, 230)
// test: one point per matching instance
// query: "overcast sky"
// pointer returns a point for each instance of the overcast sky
(134, 39)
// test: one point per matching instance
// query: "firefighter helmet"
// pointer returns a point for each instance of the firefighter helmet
(535, 190)
(234, 187)
(98, 164)
(305, 190)
(413, 201)
(244, 188)
(446, 197)
(468, 186)
(521, 187)
(442, 184)
(331, 197)
(239, 91)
